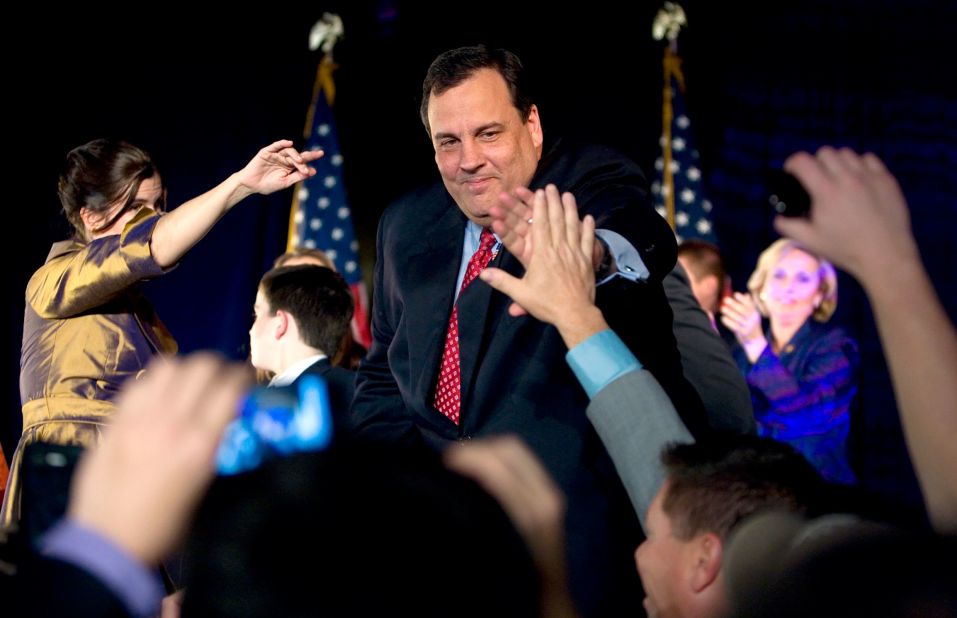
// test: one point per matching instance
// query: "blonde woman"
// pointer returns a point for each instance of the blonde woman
(802, 372)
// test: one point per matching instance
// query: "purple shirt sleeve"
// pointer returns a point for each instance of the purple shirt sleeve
(138, 587)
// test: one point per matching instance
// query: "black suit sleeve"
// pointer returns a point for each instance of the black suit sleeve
(378, 411)
(707, 361)
(47, 587)
(613, 189)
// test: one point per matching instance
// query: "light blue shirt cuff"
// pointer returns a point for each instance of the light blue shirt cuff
(138, 587)
(627, 259)
(599, 360)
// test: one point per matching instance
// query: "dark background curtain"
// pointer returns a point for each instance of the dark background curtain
(203, 94)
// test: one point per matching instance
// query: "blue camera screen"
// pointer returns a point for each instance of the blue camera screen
(276, 421)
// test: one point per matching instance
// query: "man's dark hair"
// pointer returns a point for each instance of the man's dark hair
(316, 297)
(703, 258)
(356, 530)
(714, 485)
(453, 67)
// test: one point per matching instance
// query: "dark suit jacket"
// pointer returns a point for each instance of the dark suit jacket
(48, 587)
(341, 384)
(514, 375)
(706, 360)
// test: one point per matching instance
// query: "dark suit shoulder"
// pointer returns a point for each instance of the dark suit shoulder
(418, 220)
(341, 384)
(612, 188)
(576, 166)
(422, 204)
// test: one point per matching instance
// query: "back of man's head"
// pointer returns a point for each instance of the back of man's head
(703, 257)
(703, 261)
(356, 530)
(714, 485)
(317, 298)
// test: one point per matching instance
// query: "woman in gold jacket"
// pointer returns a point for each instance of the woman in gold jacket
(86, 327)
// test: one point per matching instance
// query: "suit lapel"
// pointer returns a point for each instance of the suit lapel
(431, 275)
(482, 311)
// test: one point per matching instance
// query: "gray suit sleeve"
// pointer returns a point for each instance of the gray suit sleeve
(706, 360)
(635, 420)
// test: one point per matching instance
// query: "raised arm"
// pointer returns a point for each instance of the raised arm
(859, 221)
(630, 411)
(275, 167)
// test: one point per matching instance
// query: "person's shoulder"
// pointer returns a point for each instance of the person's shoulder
(341, 374)
(60, 257)
(571, 160)
(423, 201)
(578, 149)
(63, 248)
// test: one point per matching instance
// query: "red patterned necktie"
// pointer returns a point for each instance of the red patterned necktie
(448, 390)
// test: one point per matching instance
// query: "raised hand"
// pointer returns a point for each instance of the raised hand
(511, 221)
(740, 314)
(858, 219)
(559, 282)
(278, 166)
(139, 487)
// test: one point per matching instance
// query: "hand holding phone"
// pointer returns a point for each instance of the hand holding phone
(787, 195)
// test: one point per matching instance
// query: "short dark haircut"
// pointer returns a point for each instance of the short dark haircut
(317, 298)
(453, 67)
(703, 258)
(714, 485)
(304, 252)
(100, 173)
(356, 530)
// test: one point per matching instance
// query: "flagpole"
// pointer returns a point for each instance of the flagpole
(324, 35)
(668, 23)
(323, 84)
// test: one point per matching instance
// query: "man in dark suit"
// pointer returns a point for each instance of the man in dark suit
(706, 359)
(302, 314)
(448, 359)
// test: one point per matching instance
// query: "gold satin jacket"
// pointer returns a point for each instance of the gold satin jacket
(86, 330)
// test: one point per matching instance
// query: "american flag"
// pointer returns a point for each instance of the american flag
(321, 217)
(679, 194)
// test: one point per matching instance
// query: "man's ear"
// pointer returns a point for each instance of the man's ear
(707, 555)
(534, 126)
(282, 323)
(710, 286)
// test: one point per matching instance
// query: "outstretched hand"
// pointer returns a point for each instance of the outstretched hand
(858, 219)
(512, 222)
(140, 485)
(556, 248)
(278, 166)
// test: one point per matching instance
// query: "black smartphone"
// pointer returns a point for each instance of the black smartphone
(46, 477)
(787, 195)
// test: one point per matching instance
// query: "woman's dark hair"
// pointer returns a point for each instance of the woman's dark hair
(100, 173)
